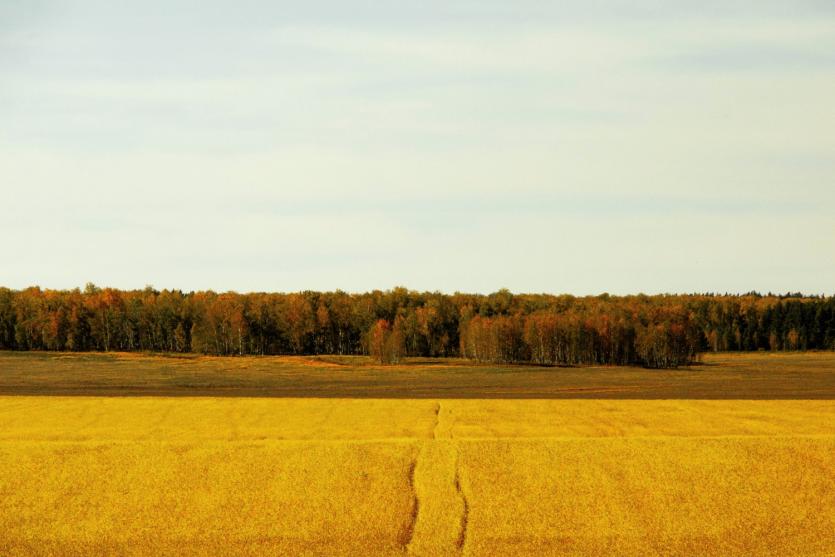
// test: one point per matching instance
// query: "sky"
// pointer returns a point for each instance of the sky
(562, 147)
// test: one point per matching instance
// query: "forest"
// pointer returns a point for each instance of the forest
(658, 331)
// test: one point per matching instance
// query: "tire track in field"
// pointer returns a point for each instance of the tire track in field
(443, 422)
(465, 511)
(409, 531)
(439, 521)
(437, 420)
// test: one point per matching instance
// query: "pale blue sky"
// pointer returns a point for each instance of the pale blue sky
(540, 146)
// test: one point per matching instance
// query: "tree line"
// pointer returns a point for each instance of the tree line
(502, 327)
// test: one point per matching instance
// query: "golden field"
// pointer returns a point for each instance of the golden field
(312, 476)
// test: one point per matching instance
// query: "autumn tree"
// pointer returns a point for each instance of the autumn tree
(656, 331)
(385, 342)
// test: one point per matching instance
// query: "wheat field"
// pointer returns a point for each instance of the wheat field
(155, 475)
